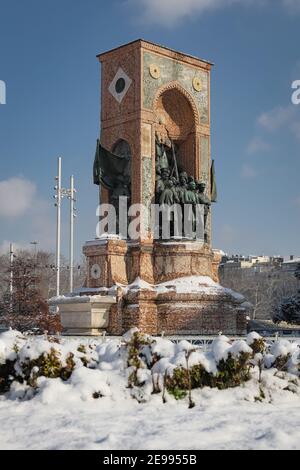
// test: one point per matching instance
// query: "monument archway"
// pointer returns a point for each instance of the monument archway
(177, 118)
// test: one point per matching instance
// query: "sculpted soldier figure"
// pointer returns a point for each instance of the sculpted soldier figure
(169, 195)
(182, 188)
(190, 198)
(203, 199)
(159, 184)
(190, 193)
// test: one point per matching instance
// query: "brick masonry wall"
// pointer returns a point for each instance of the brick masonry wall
(175, 314)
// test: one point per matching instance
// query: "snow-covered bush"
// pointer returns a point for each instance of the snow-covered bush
(135, 345)
(139, 366)
(256, 343)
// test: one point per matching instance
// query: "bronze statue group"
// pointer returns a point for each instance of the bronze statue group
(174, 186)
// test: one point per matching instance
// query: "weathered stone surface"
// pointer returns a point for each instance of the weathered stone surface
(173, 314)
(88, 316)
(168, 97)
(174, 260)
(110, 256)
(169, 103)
(183, 73)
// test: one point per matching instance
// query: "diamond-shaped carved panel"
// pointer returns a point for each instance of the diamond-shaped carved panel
(120, 85)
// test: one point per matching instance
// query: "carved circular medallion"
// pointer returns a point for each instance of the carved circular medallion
(154, 71)
(120, 85)
(95, 271)
(197, 84)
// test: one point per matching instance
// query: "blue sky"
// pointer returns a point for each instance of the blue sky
(47, 59)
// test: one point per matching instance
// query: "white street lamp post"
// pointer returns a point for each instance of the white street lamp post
(60, 194)
(58, 223)
(11, 283)
(71, 196)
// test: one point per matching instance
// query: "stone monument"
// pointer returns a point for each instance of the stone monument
(154, 148)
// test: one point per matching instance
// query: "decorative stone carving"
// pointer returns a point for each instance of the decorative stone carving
(120, 85)
(183, 74)
(95, 271)
(154, 71)
(197, 84)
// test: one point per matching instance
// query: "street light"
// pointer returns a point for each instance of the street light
(35, 250)
(60, 194)
(35, 259)
(11, 283)
(71, 196)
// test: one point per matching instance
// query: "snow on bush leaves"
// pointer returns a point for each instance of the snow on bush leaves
(138, 366)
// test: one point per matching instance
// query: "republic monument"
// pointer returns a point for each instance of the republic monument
(154, 148)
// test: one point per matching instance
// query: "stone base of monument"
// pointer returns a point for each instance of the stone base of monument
(164, 287)
(85, 315)
(186, 306)
(112, 261)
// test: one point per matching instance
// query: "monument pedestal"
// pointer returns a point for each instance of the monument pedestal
(159, 309)
(106, 262)
(168, 287)
(176, 259)
(84, 315)
(204, 313)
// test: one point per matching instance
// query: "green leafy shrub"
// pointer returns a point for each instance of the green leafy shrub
(46, 365)
(281, 362)
(135, 357)
(233, 371)
(178, 381)
(258, 346)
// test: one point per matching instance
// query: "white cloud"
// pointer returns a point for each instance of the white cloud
(43, 224)
(284, 118)
(27, 215)
(37, 225)
(258, 145)
(16, 196)
(248, 172)
(169, 12)
(277, 117)
(293, 6)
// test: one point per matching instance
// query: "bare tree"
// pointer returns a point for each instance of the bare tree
(265, 290)
(34, 281)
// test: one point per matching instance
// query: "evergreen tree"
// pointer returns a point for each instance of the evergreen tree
(297, 272)
(289, 309)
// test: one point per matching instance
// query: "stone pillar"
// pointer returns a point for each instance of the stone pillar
(140, 262)
(140, 311)
(217, 256)
(106, 261)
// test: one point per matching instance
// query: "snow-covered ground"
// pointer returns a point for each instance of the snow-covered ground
(219, 421)
(64, 414)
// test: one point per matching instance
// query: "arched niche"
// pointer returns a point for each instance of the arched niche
(177, 117)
